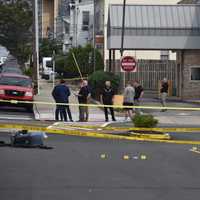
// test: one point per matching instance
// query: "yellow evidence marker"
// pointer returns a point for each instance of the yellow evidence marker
(103, 156)
(126, 157)
(143, 157)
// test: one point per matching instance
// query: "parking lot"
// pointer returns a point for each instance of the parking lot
(86, 168)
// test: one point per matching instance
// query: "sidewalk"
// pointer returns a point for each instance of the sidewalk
(46, 112)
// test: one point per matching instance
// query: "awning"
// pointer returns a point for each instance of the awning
(154, 27)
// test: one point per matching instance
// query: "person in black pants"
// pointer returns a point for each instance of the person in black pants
(83, 99)
(164, 93)
(61, 94)
(107, 95)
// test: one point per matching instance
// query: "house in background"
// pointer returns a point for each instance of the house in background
(69, 22)
(81, 23)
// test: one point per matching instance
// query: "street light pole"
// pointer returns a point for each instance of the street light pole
(36, 46)
(53, 68)
(94, 38)
(122, 36)
(123, 25)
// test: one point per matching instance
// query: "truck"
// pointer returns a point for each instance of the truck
(47, 67)
(2, 60)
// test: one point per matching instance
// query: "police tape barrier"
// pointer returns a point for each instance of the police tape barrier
(96, 134)
(99, 105)
(164, 129)
(66, 79)
(81, 132)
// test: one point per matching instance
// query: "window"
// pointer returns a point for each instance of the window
(66, 28)
(195, 74)
(16, 81)
(86, 20)
(164, 55)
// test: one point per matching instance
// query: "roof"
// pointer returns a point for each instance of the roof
(188, 1)
(14, 75)
(155, 23)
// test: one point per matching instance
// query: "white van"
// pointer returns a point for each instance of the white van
(47, 67)
(2, 60)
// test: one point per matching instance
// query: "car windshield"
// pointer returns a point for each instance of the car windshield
(16, 81)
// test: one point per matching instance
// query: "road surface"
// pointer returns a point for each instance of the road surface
(86, 168)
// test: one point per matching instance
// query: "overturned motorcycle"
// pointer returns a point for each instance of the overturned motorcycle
(27, 139)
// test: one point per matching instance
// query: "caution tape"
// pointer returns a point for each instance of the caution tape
(96, 134)
(66, 79)
(164, 129)
(99, 105)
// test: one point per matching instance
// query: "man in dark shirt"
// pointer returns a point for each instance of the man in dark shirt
(61, 94)
(164, 93)
(107, 95)
(83, 99)
(139, 92)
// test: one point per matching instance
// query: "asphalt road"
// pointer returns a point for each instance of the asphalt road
(15, 113)
(75, 170)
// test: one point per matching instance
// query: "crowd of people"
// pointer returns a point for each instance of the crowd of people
(132, 95)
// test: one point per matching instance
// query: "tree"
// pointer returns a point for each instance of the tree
(84, 56)
(47, 47)
(15, 28)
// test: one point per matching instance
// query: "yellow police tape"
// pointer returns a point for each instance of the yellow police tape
(96, 134)
(99, 105)
(68, 79)
(169, 130)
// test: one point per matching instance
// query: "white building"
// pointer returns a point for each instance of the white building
(138, 54)
(78, 29)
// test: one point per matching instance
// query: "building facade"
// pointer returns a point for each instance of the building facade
(156, 55)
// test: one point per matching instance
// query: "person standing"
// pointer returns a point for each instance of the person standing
(139, 92)
(83, 99)
(61, 95)
(164, 93)
(129, 94)
(106, 98)
(85, 82)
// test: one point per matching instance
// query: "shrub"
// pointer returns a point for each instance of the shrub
(97, 82)
(28, 72)
(84, 55)
(145, 121)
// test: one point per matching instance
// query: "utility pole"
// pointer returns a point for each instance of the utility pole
(123, 25)
(35, 46)
(94, 38)
(54, 60)
(122, 38)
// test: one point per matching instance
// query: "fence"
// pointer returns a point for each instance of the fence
(150, 72)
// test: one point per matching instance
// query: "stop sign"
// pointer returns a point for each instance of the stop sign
(128, 64)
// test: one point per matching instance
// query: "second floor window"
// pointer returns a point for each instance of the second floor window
(86, 20)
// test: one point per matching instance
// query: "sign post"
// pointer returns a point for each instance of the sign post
(128, 64)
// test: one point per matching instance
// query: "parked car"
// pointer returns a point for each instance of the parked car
(13, 70)
(16, 87)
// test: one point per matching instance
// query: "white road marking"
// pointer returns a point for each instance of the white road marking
(15, 117)
(105, 124)
(183, 114)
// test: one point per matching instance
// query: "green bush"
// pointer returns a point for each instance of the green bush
(28, 72)
(145, 121)
(84, 55)
(97, 82)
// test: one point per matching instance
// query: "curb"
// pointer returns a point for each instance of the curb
(97, 135)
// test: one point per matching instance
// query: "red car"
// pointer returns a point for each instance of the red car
(16, 87)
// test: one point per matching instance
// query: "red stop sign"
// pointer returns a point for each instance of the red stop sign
(128, 64)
